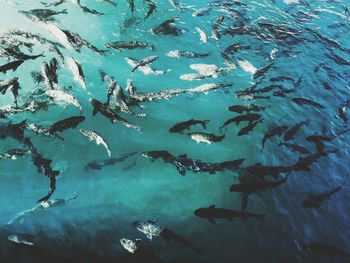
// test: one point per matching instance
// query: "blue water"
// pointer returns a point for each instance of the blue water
(88, 228)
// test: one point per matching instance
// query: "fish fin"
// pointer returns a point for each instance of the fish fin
(182, 156)
(94, 112)
(212, 206)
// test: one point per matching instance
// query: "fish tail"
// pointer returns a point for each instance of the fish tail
(64, 11)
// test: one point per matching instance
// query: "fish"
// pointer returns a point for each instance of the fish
(134, 44)
(71, 122)
(259, 170)
(295, 148)
(146, 69)
(250, 117)
(49, 73)
(203, 36)
(186, 54)
(166, 28)
(14, 154)
(211, 213)
(205, 137)
(144, 62)
(316, 200)
(94, 136)
(289, 134)
(88, 10)
(261, 72)
(255, 186)
(303, 163)
(169, 236)
(77, 72)
(78, 42)
(247, 129)
(215, 30)
(183, 164)
(131, 5)
(303, 101)
(246, 108)
(98, 165)
(276, 131)
(19, 240)
(181, 126)
(43, 166)
(111, 115)
(13, 85)
(42, 14)
(14, 65)
(59, 95)
(151, 8)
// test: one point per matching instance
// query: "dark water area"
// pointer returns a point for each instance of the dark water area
(174, 131)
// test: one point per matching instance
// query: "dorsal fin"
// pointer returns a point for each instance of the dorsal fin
(212, 206)
(182, 155)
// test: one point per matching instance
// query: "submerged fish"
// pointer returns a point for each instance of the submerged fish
(94, 136)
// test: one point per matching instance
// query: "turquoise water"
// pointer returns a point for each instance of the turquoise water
(88, 228)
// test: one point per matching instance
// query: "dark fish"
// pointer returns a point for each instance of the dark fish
(169, 236)
(249, 127)
(303, 101)
(88, 10)
(261, 72)
(215, 31)
(183, 163)
(120, 45)
(42, 14)
(131, 5)
(339, 60)
(281, 78)
(326, 250)
(295, 147)
(98, 165)
(11, 66)
(77, 42)
(49, 73)
(111, 115)
(14, 53)
(240, 118)
(179, 127)
(211, 213)
(13, 85)
(316, 200)
(277, 131)
(43, 166)
(303, 163)
(289, 135)
(71, 122)
(255, 186)
(166, 28)
(151, 8)
(246, 108)
(259, 170)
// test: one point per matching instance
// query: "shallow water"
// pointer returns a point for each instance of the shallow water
(88, 228)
